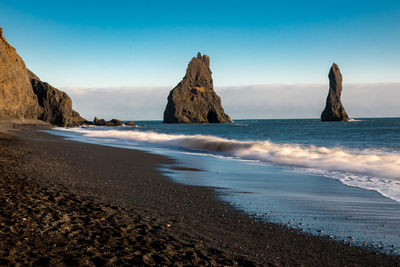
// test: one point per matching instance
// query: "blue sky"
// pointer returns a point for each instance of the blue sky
(112, 44)
(121, 43)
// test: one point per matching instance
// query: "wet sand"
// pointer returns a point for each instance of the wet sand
(70, 203)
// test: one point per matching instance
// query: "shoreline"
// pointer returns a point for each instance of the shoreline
(129, 179)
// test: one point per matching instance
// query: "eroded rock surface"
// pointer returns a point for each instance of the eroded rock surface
(17, 99)
(25, 96)
(194, 100)
(334, 110)
(56, 105)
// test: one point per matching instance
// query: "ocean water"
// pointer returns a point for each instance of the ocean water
(340, 180)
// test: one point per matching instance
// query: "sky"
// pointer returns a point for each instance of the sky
(99, 50)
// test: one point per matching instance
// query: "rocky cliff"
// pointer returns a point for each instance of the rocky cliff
(194, 100)
(25, 96)
(55, 105)
(17, 97)
(334, 110)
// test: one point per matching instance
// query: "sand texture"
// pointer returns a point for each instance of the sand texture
(69, 203)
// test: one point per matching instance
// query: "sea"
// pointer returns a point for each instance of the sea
(337, 180)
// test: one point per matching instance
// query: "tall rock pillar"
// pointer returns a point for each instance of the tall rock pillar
(334, 110)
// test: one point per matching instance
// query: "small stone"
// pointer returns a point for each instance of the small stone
(103, 122)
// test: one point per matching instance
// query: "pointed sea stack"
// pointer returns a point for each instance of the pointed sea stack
(334, 110)
(194, 100)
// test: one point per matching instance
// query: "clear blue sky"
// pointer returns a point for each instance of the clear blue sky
(149, 43)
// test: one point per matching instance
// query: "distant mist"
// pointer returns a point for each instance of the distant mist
(241, 102)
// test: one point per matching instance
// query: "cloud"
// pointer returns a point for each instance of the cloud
(240, 102)
(308, 100)
(125, 103)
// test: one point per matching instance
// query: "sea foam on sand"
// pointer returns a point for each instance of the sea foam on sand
(369, 169)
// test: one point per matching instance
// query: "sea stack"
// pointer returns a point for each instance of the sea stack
(334, 110)
(194, 100)
(25, 96)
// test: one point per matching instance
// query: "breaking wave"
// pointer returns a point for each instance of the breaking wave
(369, 169)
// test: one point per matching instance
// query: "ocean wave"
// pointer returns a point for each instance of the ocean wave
(385, 186)
(369, 169)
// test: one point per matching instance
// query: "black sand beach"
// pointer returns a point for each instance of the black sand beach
(69, 203)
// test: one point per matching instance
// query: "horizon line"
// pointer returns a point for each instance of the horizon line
(294, 118)
(124, 87)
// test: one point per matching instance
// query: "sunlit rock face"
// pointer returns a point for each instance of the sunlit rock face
(17, 99)
(194, 100)
(25, 96)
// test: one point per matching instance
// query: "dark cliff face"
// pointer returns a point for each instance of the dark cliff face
(56, 106)
(194, 100)
(25, 96)
(334, 110)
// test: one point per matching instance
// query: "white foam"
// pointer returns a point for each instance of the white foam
(387, 187)
(368, 169)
